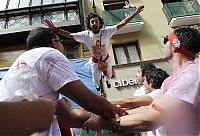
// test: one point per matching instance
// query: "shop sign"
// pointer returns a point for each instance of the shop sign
(124, 82)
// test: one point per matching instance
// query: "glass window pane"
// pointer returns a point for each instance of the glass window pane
(24, 3)
(47, 2)
(13, 4)
(3, 4)
(72, 15)
(18, 21)
(132, 51)
(59, 1)
(71, 0)
(36, 2)
(2, 23)
(57, 16)
(36, 19)
(120, 54)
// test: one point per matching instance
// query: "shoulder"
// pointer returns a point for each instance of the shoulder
(53, 56)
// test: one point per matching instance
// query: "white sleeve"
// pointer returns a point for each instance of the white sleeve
(153, 94)
(111, 30)
(81, 36)
(55, 69)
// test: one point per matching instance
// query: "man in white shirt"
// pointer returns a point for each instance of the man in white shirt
(97, 41)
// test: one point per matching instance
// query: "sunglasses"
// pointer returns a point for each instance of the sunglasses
(165, 39)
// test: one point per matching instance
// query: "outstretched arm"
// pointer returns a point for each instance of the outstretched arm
(75, 117)
(64, 33)
(133, 102)
(80, 94)
(129, 18)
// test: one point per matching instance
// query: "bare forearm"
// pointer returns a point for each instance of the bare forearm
(147, 120)
(63, 33)
(133, 102)
(126, 20)
(75, 117)
(124, 102)
(79, 118)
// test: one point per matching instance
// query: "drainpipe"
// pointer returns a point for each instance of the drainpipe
(93, 6)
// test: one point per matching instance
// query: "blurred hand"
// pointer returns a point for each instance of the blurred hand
(49, 23)
(139, 9)
(96, 123)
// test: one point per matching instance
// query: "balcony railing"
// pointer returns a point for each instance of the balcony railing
(113, 17)
(182, 13)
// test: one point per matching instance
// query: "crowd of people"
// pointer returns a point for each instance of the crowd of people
(164, 105)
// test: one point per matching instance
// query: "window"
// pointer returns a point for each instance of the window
(36, 19)
(24, 3)
(2, 23)
(13, 4)
(35, 2)
(72, 15)
(3, 4)
(18, 21)
(57, 16)
(47, 2)
(59, 1)
(126, 53)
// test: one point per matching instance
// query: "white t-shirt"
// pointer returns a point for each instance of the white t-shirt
(140, 91)
(53, 70)
(159, 131)
(93, 41)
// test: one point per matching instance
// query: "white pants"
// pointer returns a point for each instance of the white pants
(97, 74)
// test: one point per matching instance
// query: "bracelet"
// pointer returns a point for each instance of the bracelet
(56, 29)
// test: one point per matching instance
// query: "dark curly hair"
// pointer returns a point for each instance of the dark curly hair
(156, 77)
(40, 37)
(189, 38)
(146, 67)
(92, 15)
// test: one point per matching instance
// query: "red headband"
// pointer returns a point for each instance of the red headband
(177, 46)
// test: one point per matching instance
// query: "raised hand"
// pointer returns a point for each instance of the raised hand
(139, 9)
(50, 24)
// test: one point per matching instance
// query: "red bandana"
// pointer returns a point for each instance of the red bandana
(177, 46)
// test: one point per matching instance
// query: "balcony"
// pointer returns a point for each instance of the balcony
(113, 17)
(182, 13)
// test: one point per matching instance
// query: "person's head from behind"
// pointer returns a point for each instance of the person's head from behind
(94, 22)
(184, 41)
(144, 68)
(154, 79)
(43, 37)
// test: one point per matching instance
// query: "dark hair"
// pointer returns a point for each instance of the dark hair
(146, 67)
(127, 1)
(92, 15)
(40, 37)
(156, 77)
(189, 38)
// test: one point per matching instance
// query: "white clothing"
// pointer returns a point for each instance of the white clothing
(154, 94)
(98, 46)
(140, 91)
(159, 131)
(53, 70)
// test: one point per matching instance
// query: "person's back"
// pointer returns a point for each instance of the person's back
(186, 113)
